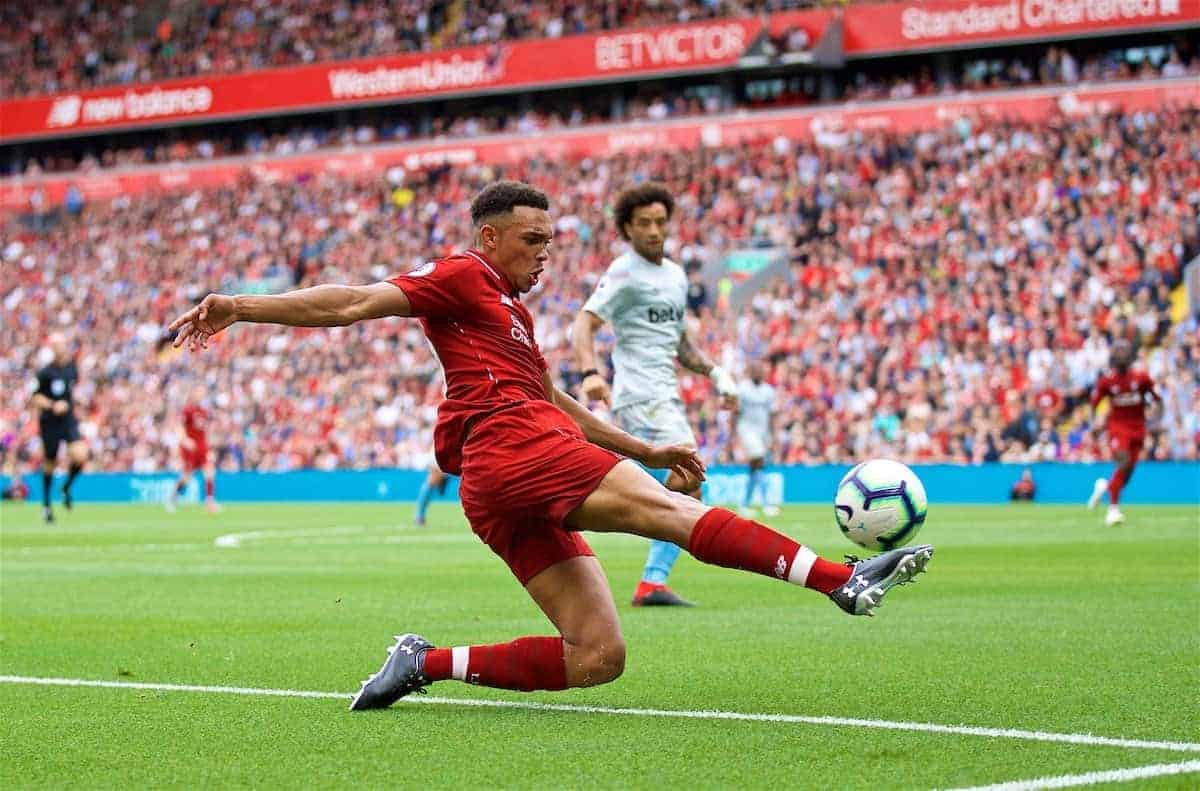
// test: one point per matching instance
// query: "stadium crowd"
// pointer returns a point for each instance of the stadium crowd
(947, 295)
(867, 82)
(58, 47)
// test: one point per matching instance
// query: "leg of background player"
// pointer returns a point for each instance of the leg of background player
(181, 484)
(77, 457)
(210, 487)
(47, 482)
(757, 484)
(589, 650)
(434, 480)
(652, 590)
(1125, 464)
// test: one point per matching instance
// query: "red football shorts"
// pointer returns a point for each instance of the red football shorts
(1128, 442)
(524, 469)
(196, 457)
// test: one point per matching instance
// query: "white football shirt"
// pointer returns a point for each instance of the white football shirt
(644, 303)
(756, 402)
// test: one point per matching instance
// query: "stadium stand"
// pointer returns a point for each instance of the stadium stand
(1049, 65)
(52, 48)
(949, 297)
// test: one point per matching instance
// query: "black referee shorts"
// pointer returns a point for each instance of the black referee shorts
(56, 434)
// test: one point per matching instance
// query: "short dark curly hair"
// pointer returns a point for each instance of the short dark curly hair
(633, 198)
(501, 197)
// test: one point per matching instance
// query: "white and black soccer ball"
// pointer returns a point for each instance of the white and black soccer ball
(880, 504)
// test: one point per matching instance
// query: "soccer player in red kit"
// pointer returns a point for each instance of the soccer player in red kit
(194, 453)
(1129, 393)
(536, 467)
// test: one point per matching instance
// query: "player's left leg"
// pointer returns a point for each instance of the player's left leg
(77, 456)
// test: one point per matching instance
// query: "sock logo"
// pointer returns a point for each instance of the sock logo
(781, 567)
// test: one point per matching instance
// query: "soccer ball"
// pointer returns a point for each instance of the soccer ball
(880, 504)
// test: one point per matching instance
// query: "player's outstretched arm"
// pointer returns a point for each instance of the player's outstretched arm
(583, 343)
(318, 306)
(695, 360)
(683, 460)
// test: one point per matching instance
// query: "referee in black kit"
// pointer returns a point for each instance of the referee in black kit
(54, 400)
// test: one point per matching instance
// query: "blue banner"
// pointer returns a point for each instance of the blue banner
(1154, 482)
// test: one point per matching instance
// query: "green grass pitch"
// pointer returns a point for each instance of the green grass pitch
(1036, 618)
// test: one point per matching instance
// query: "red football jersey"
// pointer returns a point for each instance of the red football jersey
(1126, 393)
(482, 335)
(195, 422)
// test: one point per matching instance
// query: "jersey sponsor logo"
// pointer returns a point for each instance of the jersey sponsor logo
(1125, 399)
(519, 333)
(664, 315)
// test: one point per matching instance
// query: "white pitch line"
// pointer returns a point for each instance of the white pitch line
(1093, 778)
(922, 727)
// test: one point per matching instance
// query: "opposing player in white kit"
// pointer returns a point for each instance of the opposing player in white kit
(644, 295)
(756, 404)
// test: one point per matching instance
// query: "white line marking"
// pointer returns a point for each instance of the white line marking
(923, 727)
(233, 540)
(1093, 778)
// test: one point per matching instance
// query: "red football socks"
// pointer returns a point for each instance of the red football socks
(526, 664)
(1117, 482)
(723, 538)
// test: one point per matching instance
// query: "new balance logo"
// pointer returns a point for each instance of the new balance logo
(64, 111)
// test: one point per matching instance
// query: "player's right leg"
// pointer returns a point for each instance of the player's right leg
(210, 485)
(629, 501)
(588, 650)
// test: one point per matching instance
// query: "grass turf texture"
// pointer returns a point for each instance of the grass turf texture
(1037, 618)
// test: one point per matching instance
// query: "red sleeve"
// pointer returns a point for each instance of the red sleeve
(436, 289)
(1098, 391)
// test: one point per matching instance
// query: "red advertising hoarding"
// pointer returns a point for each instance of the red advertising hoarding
(941, 24)
(827, 122)
(519, 65)
(869, 29)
